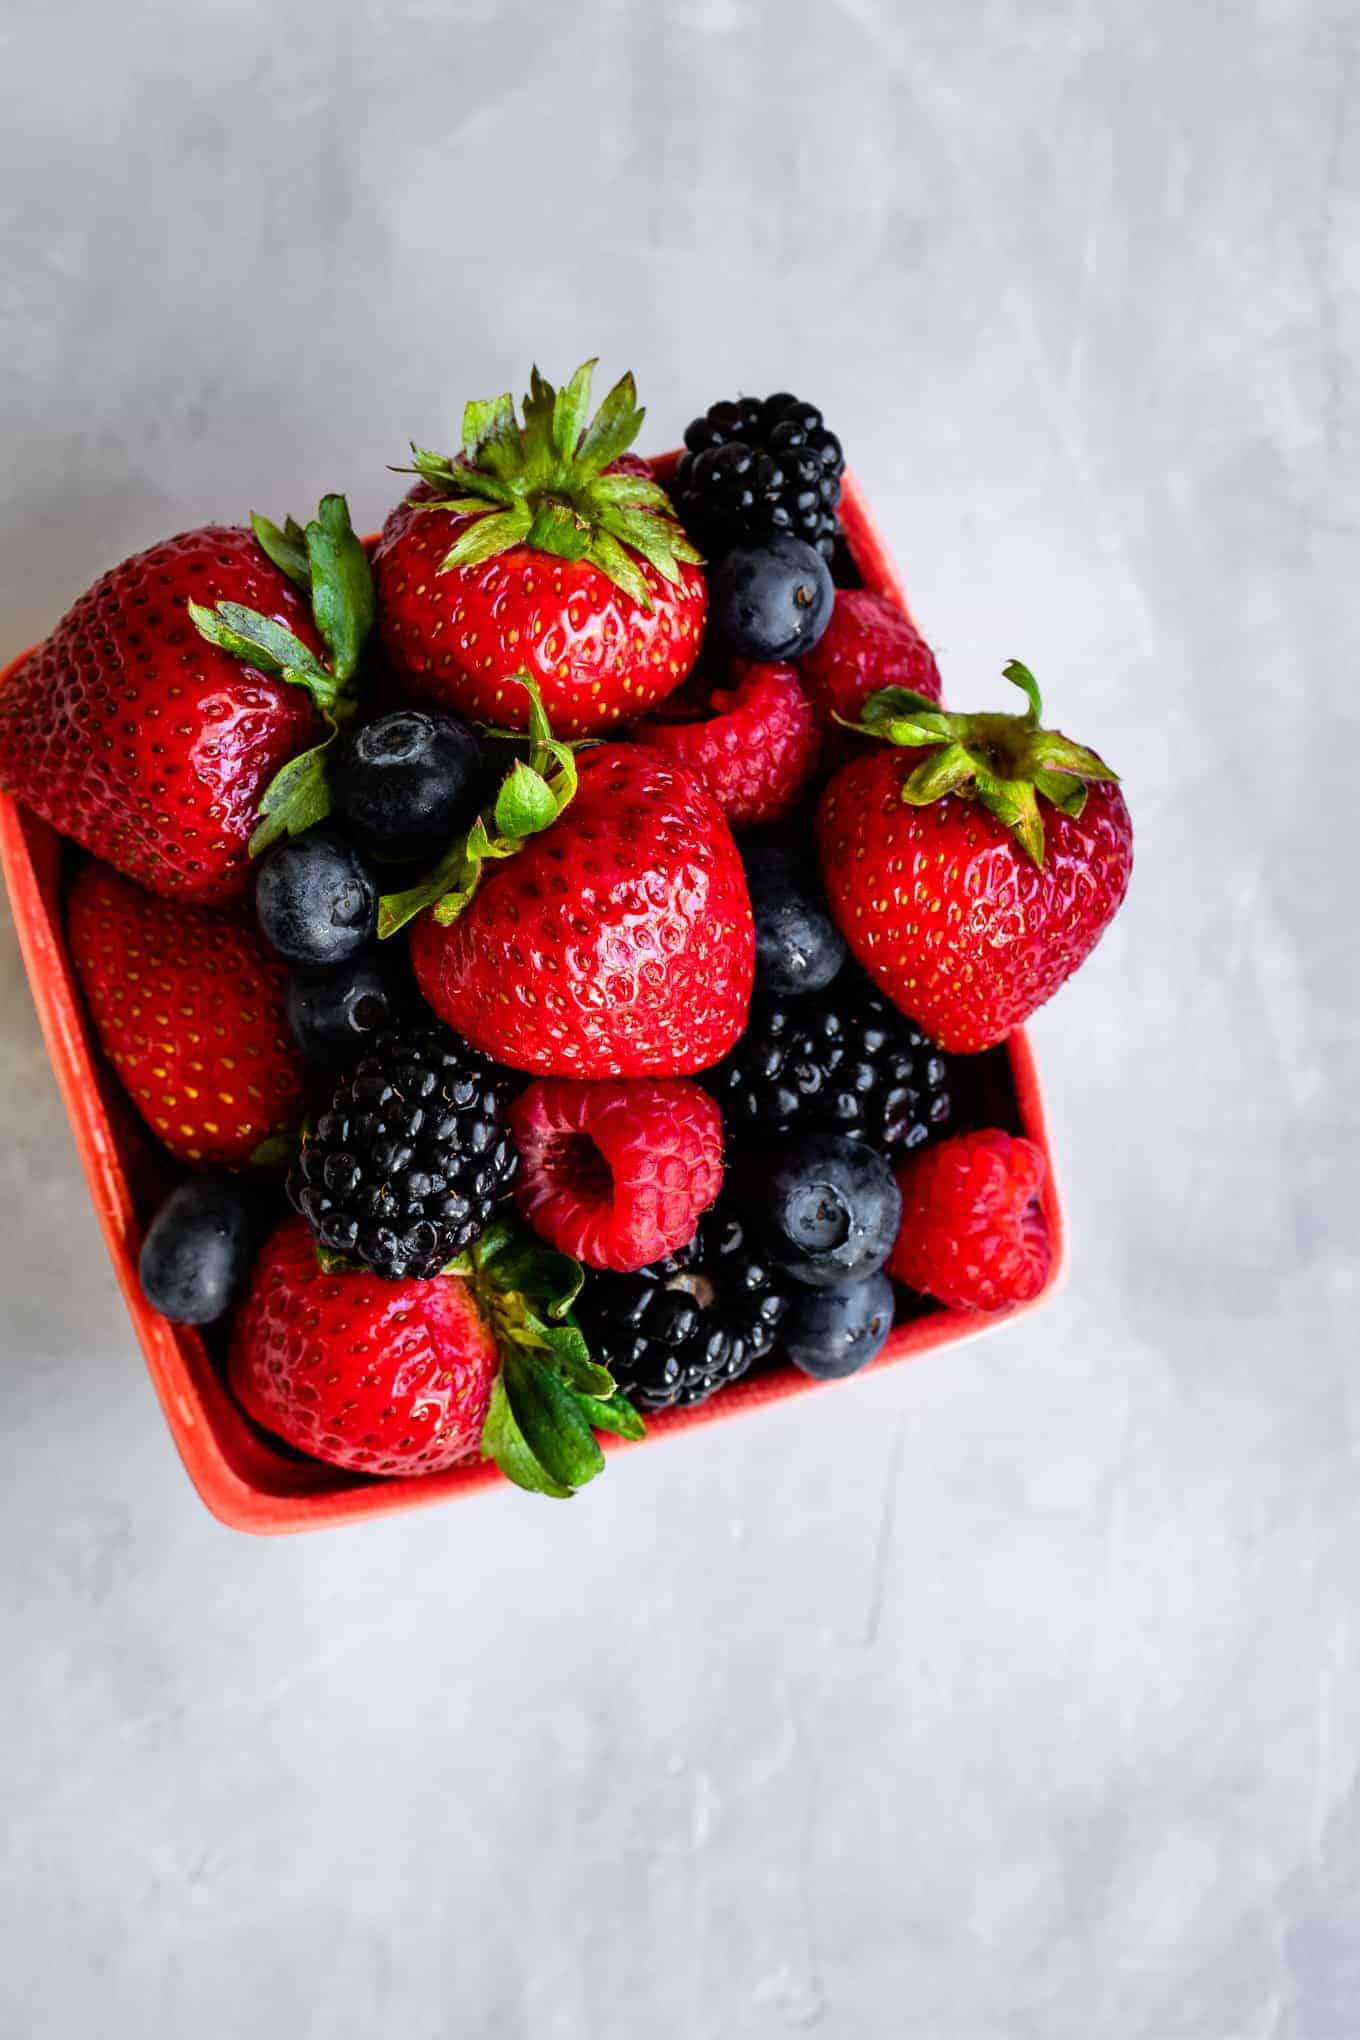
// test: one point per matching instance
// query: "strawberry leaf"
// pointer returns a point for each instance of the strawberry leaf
(296, 798)
(269, 647)
(343, 600)
(614, 1413)
(611, 431)
(538, 452)
(1009, 764)
(525, 802)
(560, 530)
(550, 1420)
(503, 1441)
(570, 410)
(548, 482)
(609, 556)
(288, 553)
(490, 535)
(638, 492)
(451, 873)
(491, 437)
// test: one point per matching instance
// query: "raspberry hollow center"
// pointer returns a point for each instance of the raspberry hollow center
(578, 1166)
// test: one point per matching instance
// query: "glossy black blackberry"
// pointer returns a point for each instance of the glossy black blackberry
(758, 467)
(681, 1329)
(841, 1060)
(407, 1166)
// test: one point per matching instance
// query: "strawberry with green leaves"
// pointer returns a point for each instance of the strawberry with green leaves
(178, 716)
(596, 923)
(415, 1377)
(542, 547)
(972, 862)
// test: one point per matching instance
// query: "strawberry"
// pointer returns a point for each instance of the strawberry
(869, 644)
(188, 1006)
(414, 1376)
(966, 902)
(756, 749)
(538, 550)
(186, 693)
(616, 940)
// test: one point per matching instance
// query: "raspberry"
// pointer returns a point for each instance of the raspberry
(868, 644)
(616, 1173)
(756, 751)
(973, 1232)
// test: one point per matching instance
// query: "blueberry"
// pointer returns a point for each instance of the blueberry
(773, 601)
(334, 1013)
(316, 900)
(798, 946)
(831, 1209)
(834, 1332)
(411, 781)
(199, 1247)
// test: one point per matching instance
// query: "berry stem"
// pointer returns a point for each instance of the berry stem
(1007, 763)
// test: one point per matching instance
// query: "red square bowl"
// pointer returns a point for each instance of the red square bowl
(247, 1479)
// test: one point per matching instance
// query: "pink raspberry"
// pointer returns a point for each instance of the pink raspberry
(757, 748)
(868, 644)
(616, 1173)
(973, 1232)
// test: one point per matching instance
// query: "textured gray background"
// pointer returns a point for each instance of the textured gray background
(1015, 1696)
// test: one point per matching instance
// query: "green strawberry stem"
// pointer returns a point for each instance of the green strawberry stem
(328, 563)
(549, 1397)
(531, 798)
(1007, 763)
(543, 484)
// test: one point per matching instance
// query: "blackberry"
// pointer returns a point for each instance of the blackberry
(756, 468)
(682, 1328)
(408, 1164)
(842, 1061)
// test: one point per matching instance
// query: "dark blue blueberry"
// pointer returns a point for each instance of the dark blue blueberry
(798, 946)
(831, 1209)
(316, 900)
(773, 601)
(834, 1332)
(199, 1247)
(411, 781)
(335, 1013)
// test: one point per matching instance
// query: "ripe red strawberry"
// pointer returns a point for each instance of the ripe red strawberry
(154, 725)
(966, 903)
(618, 942)
(537, 550)
(378, 1377)
(617, 1174)
(417, 1376)
(973, 1231)
(188, 1006)
(757, 749)
(868, 645)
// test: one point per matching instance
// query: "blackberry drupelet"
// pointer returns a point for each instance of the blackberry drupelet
(407, 1165)
(842, 1061)
(681, 1329)
(755, 468)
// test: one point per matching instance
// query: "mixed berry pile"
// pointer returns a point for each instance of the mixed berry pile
(556, 942)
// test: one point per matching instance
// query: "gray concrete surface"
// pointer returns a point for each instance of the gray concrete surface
(1015, 1696)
